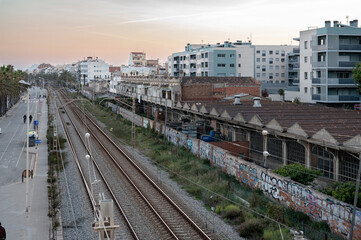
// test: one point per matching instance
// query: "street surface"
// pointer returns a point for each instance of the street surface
(19, 224)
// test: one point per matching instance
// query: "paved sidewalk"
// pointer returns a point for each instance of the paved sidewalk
(35, 223)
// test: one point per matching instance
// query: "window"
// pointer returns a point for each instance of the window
(282, 53)
(270, 52)
(270, 60)
(348, 167)
(282, 60)
(206, 64)
(258, 75)
(206, 56)
(263, 59)
(263, 75)
(263, 68)
(202, 57)
(306, 59)
(258, 51)
(239, 55)
(324, 161)
(274, 147)
(270, 76)
(318, 74)
(221, 55)
(282, 67)
(277, 59)
(258, 66)
(306, 89)
(283, 75)
(231, 65)
(277, 52)
(231, 55)
(206, 74)
(258, 60)
(306, 75)
(305, 44)
(277, 67)
(271, 67)
(221, 65)
(295, 152)
(263, 53)
(277, 74)
(239, 65)
(202, 66)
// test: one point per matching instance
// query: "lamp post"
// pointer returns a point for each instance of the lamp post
(27, 157)
(265, 152)
(355, 199)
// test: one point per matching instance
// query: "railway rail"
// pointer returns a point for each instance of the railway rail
(166, 215)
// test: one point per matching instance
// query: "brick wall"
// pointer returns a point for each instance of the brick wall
(210, 92)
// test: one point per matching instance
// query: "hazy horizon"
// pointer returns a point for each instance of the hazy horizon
(63, 32)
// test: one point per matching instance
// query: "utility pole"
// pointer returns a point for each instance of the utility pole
(355, 199)
(133, 122)
(27, 158)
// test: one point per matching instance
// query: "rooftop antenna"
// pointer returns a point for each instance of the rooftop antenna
(250, 36)
(202, 42)
(347, 19)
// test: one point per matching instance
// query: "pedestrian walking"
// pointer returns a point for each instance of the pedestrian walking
(30, 118)
(24, 118)
(2, 232)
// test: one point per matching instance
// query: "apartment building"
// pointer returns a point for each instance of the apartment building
(137, 59)
(271, 63)
(327, 56)
(265, 63)
(93, 69)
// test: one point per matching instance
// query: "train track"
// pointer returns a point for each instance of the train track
(170, 221)
(87, 183)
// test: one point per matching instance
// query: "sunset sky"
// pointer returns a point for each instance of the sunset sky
(64, 31)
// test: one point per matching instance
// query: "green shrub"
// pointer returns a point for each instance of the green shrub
(343, 191)
(275, 211)
(321, 226)
(255, 200)
(298, 173)
(252, 229)
(232, 212)
(295, 218)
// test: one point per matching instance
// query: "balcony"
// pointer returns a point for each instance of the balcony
(319, 48)
(340, 81)
(316, 80)
(349, 98)
(319, 64)
(347, 64)
(316, 97)
(356, 47)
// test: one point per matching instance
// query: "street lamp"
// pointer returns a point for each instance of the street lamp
(265, 152)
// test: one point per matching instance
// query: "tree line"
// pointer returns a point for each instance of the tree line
(10, 88)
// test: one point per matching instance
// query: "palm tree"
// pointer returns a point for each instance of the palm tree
(9, 86)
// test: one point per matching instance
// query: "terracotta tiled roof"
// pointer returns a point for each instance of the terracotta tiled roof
(341, 124)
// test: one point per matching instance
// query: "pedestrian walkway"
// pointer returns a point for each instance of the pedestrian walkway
(19, 224)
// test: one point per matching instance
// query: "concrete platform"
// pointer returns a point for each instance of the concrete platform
(34, 224)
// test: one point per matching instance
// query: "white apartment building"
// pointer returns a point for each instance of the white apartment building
(306, 65)
(93, 69)
(265, 63)
(271, 63)
(327, 57)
